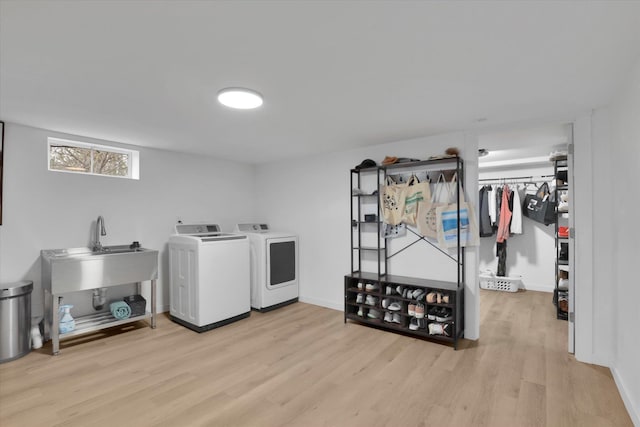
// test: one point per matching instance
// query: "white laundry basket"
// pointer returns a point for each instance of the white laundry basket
(500, 283)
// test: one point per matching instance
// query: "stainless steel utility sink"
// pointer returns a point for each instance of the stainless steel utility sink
(77, 269)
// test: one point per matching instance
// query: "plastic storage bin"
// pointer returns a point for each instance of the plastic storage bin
(500, 283)
(15, 320)
(137, 304)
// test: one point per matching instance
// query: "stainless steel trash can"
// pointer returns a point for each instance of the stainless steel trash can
(15, 320)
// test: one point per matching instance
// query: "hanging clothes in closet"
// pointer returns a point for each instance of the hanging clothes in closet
(486, 228)
(503, 231)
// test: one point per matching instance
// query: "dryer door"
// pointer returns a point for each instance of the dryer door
(282, 262)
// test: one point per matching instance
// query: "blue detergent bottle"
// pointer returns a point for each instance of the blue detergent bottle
(67, 324)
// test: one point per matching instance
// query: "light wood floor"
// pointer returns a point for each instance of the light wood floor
(301, 366)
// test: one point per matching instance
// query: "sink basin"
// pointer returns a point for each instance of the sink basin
(77, 269)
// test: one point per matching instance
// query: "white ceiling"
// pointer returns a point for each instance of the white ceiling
(335, 75)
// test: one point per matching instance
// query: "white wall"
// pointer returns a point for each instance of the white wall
(311, 196)
(622, 224)
(45, 210)
(530, 254)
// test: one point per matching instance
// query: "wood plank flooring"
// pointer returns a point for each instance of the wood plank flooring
(302, 366)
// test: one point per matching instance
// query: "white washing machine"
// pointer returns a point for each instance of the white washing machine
(274, 266)
(208, 276)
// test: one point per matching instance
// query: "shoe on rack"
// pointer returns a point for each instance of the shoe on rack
(413, 324)
(411, 309)
(395, 306)
(385, 302)
(433, 311)
(402, 291)
(360, 312)
(389, 290)
(431, 297)
(563, 302)
(371, 287)
(396, 318)
(419, 311)
(373, 314)
(445, 315)
(439, 298)
(359, 299)
(371, 300)
(360, 285)
(439, 329)
(388, 317)
(563, 284)
(421, 323)
(418, 294)
(563, 206)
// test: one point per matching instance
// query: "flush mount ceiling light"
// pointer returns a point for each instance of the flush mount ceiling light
(483, 152)
(240, 98)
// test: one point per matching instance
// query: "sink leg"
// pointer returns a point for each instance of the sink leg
(153, 304)
(55, 325)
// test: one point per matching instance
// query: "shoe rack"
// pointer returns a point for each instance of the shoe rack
(418, 306)
(561, 293)
(427, 308)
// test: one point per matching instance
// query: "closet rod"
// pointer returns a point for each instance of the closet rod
(529, 178)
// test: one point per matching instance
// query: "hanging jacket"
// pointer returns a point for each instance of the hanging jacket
(505, 216)
(486, 230)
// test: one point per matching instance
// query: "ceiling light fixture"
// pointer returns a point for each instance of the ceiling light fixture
(483, 152)
(240, 98)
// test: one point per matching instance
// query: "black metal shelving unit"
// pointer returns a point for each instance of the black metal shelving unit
(561, 220)
(359, 227)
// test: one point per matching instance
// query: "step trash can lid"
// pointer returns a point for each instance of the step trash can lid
(16, 289)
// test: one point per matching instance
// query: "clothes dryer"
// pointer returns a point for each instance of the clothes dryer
(274, 266)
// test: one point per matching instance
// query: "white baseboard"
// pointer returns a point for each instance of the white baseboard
(322, 303)
(631, 409)
(539, 288)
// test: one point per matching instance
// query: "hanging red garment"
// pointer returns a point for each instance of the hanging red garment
(505, 216)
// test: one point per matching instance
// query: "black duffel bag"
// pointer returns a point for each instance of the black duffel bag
(539, 207)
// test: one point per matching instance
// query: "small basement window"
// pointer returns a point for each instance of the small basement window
(92, 159)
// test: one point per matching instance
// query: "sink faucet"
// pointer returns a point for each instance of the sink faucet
(100, 231)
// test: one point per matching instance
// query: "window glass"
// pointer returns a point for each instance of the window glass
(80, 157)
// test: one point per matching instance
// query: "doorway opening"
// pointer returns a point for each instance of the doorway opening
(522, 175)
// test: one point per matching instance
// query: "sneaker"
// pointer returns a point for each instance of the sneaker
(395, 306)
(373, 314)
(444, 315)
(388, 317)
(397, 318)
(439, 329)
(413, 324)
(359, 299)
(360, 312)
(421, 323)
(563, 284)
(385, 302)
(419, 311)
(439, 298)
(445, 298)
(412, 309)
(418, 294)
(431, 297)
(389, 290)
(402, 291)
(371, 287)
(371, 300)
(360, 285)
(563, 207)
(431, 314)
